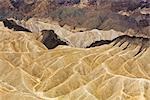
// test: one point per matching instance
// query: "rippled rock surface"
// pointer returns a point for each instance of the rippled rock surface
(30, 71)
(107, 56)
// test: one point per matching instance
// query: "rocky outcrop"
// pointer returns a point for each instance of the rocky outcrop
(64, 2)
(73, 38)
(20, 3)
(124, 38)
(12, 25)
(99, 43)
(90, 37)
(36, 26)
(51, 39)
(100, 18)
(23, 9)
(96, 14)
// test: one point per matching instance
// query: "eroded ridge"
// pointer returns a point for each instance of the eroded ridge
(118, 70)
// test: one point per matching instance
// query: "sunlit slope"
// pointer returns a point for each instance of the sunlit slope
(119, 70)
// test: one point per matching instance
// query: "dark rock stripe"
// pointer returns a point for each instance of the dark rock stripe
(12, 25)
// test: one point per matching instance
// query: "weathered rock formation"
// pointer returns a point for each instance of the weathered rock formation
(37, 25)
(90, 37)
(19, 41)
(67, 37)
(51, 39)
(103, 15)
(107, 57)
(12, 25)
(99, 43)
(124, 38)
(107, 72)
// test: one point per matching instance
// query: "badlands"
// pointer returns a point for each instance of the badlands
(74, 50)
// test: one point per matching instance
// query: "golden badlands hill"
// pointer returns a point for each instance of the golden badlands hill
(116, 71)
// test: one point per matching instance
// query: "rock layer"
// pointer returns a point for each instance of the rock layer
(12, 25)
